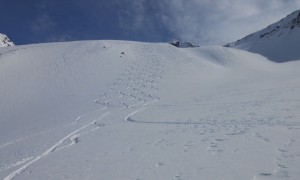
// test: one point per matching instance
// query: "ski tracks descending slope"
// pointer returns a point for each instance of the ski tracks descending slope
(261, 130)
(138, 83)
(73, 136)
(237, 125)
(185, 135)
(134, 89)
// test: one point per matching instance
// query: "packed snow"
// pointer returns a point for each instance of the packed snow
(278, 42)
(130, 110)
(5, 41)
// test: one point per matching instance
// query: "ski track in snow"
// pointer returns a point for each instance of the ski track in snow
(233, 128)
(136, 90)
(22, 161)
(72, 136)
(51, 130)
(139, 90)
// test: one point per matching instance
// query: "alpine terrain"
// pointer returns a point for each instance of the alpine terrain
(130, 110)
(278, 42)
(5, 41)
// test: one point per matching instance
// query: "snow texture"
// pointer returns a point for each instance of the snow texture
(128, 110)
(278, 42)
(5, 41)
(180, 44)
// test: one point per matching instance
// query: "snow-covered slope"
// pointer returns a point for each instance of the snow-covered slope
(128, 110)
(5, 41)
(278, 42)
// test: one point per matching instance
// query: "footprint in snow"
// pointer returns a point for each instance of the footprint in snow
(159, 164)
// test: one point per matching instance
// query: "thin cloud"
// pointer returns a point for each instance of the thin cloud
(203, 22)
(141, 20)
(139, 15)
(43, 23)
(219, 22)
(132, 16)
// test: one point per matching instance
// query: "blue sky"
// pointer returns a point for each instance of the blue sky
(203, 22)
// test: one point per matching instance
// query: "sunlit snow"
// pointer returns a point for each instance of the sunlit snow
(85, 110)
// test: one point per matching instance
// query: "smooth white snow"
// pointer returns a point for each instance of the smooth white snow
(85, 110)
(279, 41)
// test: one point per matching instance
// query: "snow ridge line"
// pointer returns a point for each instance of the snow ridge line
(50, 150)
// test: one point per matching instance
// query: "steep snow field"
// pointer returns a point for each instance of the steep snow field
(85, 110)
(279, 41)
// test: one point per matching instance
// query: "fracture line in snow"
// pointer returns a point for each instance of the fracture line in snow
(50, 150)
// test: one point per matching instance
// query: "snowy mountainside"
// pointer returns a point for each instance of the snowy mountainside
(278, 42)
(129, 110)
(5, 41)
(185, 44)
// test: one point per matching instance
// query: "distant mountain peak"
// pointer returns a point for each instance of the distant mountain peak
(5, 41)
(279, 41)
(180, 44)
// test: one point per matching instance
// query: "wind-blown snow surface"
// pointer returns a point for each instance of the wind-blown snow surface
(85, 110)
(279, 41)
